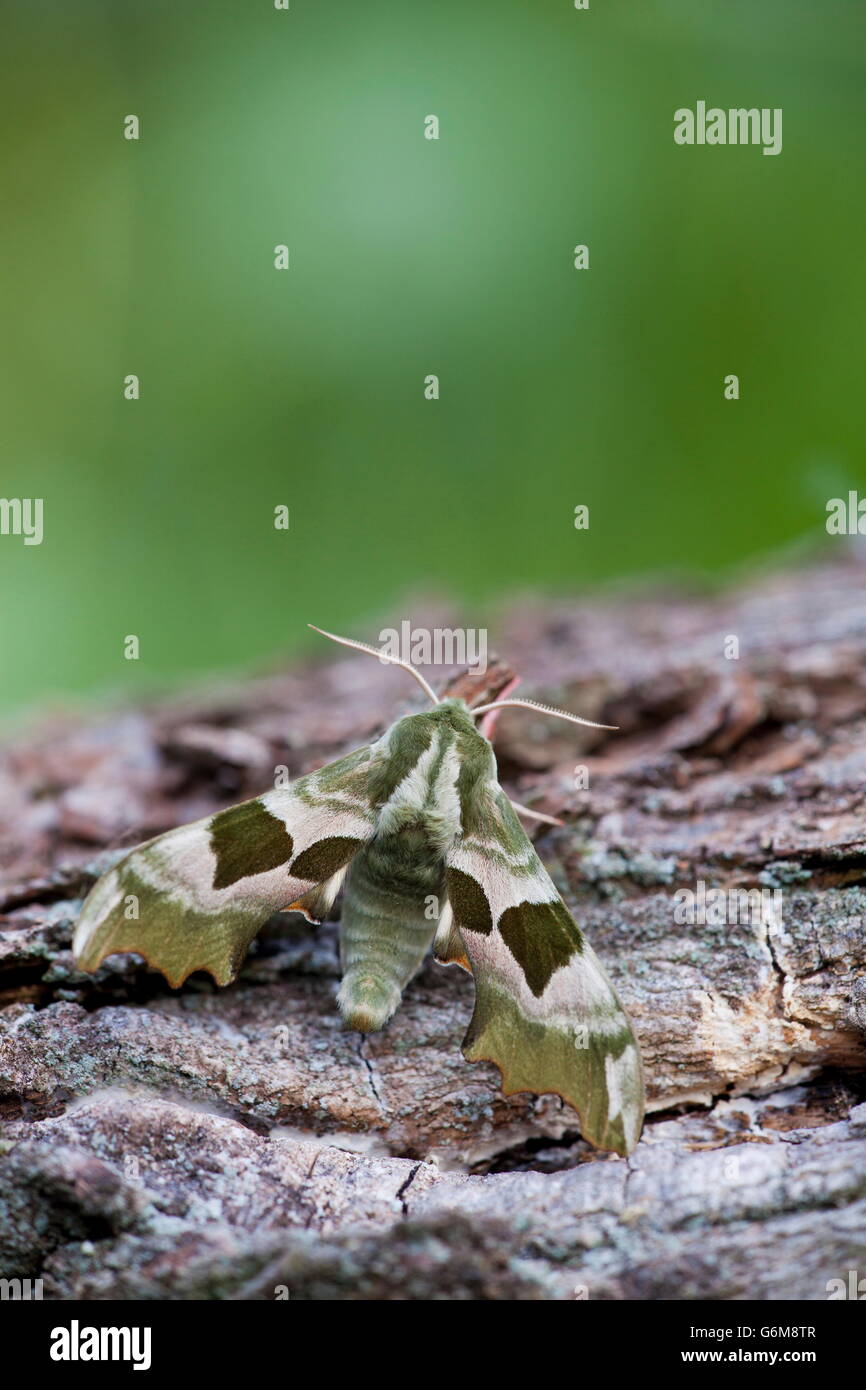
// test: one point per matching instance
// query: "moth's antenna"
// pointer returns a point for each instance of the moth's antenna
(543, 709)
(383, 656)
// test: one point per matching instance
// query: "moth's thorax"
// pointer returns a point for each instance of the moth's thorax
(431, 770)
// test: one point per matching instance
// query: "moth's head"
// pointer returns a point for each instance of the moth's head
(454, 711)
(451, 716)
(456, 714)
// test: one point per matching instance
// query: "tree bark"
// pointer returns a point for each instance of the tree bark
(224, 1143)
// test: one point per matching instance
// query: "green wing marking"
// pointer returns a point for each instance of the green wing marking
(545, 1012)
(194, 898)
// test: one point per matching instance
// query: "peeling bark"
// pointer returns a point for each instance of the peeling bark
(130, 1109)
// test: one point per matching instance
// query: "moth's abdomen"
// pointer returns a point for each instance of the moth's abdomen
(390, 912)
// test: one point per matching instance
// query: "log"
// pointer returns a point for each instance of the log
(231, 1143)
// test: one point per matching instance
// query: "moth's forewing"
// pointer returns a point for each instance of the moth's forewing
(194, 898)
(545, 1012)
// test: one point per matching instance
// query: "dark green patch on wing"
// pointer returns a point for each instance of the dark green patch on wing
(247, 840)
(194, 898)
(323, 859)
(545, 1012)
(469, 902)
(542, 937)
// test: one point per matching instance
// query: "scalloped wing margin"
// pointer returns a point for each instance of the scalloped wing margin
(545, 1012)
(194, 898)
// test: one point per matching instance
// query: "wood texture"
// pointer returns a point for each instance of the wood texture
(232, 1141)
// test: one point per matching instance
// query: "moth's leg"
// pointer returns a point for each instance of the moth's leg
(486, 727)
(535, 815)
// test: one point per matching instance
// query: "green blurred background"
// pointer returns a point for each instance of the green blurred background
(409, 257)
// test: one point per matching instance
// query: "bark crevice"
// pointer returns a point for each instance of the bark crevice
(218, 1138)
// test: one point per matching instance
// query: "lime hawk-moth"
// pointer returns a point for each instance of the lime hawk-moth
(416, 818)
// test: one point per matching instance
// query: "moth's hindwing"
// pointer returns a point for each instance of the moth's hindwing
(448, 947)
(193, 899)
(545, 1012)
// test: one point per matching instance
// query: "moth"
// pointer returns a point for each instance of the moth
(415, 819)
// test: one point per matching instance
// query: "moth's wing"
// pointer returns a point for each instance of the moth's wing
(545, 1012)
(193, 899)
(448, 945)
